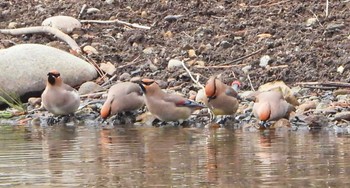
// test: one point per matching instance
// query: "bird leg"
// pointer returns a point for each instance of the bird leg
(264, 124)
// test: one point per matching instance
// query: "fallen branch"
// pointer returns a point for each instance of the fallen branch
(326, 84)
(219, 66)
(93, 94)
(327, 5)
(279, 67)
(246, 56)
(320, 87)
(250, 82)
(266, 4)
(44, 29)
(116, 21)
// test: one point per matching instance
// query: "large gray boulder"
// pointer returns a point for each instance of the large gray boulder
(24, 68)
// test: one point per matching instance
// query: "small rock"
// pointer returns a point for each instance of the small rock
(125, 76)
(341, 92)
(12, 25)
(264, 60)
(153, 67)
(148, 50)
(192, 53)
(89, 87)
(335, 26)
(168, 34)
(264, 35)
(109, 1)
(310, 22)
(322, 105)
(172, 18)
(135, 79)
(108, 68)
(281, 123)
(64, 23)
(92, 10)
(316, 121)
(340, 69)
(306, 106)
(225, 44)
(200, 63)
(246, 69)
(144, 14)
(201, 97)
(34, 101)
(342, 116)
(90, 50)
(174, 63)
(343, 97)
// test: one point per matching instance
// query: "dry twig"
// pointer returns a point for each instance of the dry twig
(246, 56)
(44, 29)
(189, 73)
(219, 66)
(250, 82)
(82, 10)
(325, 84)
(327, 5)
(93, 94)
(116, 21)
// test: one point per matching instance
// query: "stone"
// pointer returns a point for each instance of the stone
(311, 21)
(12, 25)
(192, 53)
(246, 69)
(89, 87)
(64, 23)
(108, 68)
(90, 50)
(264, 60)
(125, 76)
(342, 116)
(24, 68)
(92, 10)
(306, 106)
(174, 63)
(148, 50)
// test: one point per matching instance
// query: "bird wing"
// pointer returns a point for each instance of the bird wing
(180, 101)
(231, 92)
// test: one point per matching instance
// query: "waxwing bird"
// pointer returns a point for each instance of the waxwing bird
(58, 97)
(122, 97)
(222, 99)
(271, 106)
(165, 106)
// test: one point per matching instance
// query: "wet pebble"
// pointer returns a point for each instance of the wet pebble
(306, 106)
(125, 76)
(342, 116)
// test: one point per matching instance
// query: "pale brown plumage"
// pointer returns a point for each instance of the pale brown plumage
(271, 106)
(165, 106)
(222, 99)
(58, 97)
(122, 97)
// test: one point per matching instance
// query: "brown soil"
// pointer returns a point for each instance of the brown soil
(219, 31)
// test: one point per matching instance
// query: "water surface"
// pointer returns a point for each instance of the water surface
(126, 156)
